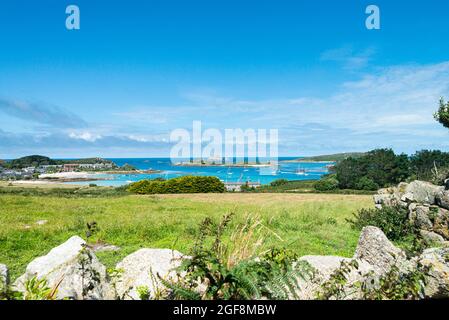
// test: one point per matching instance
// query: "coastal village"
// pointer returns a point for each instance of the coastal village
(33, 167)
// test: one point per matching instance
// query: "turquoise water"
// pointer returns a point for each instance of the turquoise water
(286, 170)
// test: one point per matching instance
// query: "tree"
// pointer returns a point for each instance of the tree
(442, 115)
(381, 167)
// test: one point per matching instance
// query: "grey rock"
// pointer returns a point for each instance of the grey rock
(442, 199)
(324, 267)
(437, 278)
(421, 192)
(431, 237)
(375, 249)
(73, 269)
(141, 269)
(4, 277)
(440, 219)
(419, 216)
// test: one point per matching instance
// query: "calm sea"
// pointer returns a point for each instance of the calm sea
(286, 170)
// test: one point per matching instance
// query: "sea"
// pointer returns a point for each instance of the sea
(168, 169)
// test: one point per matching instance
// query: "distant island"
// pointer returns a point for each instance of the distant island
(36, 167)
(337, 157)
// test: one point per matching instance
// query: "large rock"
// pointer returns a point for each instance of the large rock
(420, 217)
(437, 279)
(431, 237)
(442, 199)
(421, 192)
(440, 219)
(324, 267)
(390, 197)
(375, 249)
(4, 277)
(142, 269)
(73, 269)
(405, 193)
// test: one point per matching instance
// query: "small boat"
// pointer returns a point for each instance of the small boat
(300, 171)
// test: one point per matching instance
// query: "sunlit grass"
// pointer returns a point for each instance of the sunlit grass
(307, 224)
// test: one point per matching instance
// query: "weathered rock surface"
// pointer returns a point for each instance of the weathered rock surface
(437, 260)
(428, 205)
(4, 277)
(420, 217)
(431, 237)
(442, 199)
(141, 269)
(421, 192)
(406, 193)
(73, 268)
(324, 267)
(375, 249)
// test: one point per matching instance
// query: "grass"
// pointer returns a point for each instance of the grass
(304, 186)
(306, 223)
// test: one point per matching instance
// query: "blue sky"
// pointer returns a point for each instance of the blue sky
(138, 69)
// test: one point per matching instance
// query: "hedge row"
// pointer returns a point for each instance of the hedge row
(185, 184)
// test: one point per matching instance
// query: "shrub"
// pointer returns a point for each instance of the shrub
(393, 221)
(326, 184)
(186, 184)
(278, 182)
(246, 188)
(367, 184)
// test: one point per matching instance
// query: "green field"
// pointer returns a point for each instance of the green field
(305, 223)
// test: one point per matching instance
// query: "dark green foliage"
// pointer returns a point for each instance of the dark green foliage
(393, 221)
(279, 182)
(397, 285)
(366, 183)
(92, 228)
(86, 161)
(186, 184)
(380, 167)
(247, 188)
(442, 115)
(30, 161)
(428, 165)
(328, 183)
(128, 167)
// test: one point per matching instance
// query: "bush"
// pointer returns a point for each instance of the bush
(367, 184)
(326, 184)
(393, 221)
(186, 184)
(278, 182)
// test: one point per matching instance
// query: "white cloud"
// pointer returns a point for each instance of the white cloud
(86, 136)
(350, 58)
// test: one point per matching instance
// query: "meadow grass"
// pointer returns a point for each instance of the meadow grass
(309, 224)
